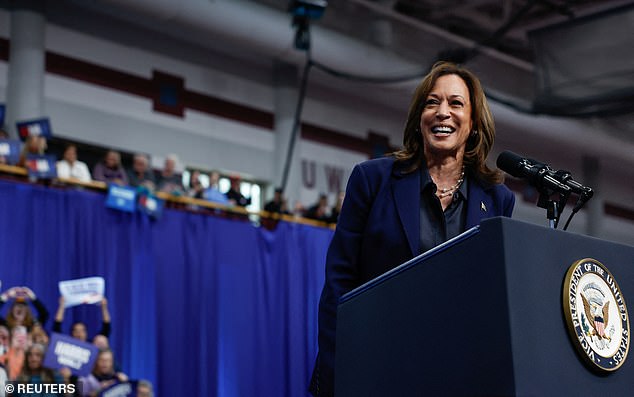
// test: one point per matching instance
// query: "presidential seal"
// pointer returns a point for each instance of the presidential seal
(596, 315)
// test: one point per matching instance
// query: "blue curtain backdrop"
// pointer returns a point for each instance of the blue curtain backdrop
(201, 306)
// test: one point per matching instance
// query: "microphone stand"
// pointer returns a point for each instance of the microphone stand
(553, 208)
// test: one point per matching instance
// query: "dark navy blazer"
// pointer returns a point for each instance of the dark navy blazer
(377, 230)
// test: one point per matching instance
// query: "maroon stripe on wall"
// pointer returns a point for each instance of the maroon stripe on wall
(98, 75)
(334, 138)
(148, 88)
(619, 212)
(211, 105)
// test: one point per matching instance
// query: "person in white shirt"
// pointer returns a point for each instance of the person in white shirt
(71, 168)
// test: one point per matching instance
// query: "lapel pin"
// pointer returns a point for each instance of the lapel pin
(482, 206)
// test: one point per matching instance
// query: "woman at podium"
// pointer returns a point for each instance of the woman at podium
(399, 206)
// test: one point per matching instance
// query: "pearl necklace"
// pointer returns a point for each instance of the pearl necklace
(451, 189)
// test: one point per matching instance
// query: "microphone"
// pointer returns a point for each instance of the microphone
(538, 174)
(577, 188)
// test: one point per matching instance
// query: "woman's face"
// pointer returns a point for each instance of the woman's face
(35, 358)
(79, 332)
(4, 336)
(446, 118)
(39, 336)
(19, 312)
(105, 363)
(19, 337)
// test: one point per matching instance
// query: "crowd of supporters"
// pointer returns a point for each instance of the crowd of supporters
(24, 342)
(109, 168)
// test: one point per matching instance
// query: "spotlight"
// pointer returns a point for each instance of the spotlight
(309, 9)
(303, 12)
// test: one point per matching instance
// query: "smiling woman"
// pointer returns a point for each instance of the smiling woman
(395, 208)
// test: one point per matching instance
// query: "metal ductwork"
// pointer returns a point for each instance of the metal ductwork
(252, 27)
(249, 29)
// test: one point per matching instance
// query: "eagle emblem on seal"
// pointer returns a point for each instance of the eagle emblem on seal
(597, 310)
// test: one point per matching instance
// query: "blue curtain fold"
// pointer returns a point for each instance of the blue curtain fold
(201, 305)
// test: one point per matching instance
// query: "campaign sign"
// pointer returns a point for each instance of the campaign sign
(10, 150)
(151, 205)
(41, 166)
(120, 389)
(35, 127)
(82, 291)
(121, 198)
(67, 352)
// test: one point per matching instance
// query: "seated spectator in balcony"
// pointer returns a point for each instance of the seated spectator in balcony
(102, 376)
(212, 193)
(110, 170)
(71, 168)
(298, 209)
(319, 211)
(78, 329)
(336, 210)
(278, 203)
(34, 144)
(168, 181)
(3, 159)
(20, 312)
(34, 372)
(196, 188)
(234, 195)
(141, 174)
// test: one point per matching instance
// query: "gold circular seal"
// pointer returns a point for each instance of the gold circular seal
(596, 315)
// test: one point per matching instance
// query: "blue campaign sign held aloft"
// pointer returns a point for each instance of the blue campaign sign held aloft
(121, 198)
(67, 352)
(41, 166)
(36, 127)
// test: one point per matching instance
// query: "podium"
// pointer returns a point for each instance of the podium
(481, 315)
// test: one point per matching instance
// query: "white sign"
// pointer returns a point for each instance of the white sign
(82, 291)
